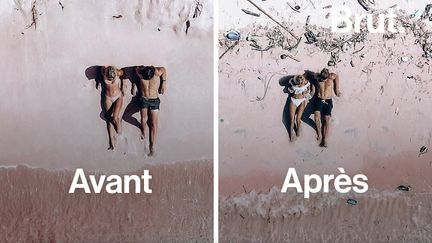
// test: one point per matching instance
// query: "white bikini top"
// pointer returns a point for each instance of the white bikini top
(301, 89)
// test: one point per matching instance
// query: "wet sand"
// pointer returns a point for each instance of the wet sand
(386, 216)
(36, 207)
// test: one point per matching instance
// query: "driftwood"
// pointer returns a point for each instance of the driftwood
(250, 13)
(277, 22)
(229, 48)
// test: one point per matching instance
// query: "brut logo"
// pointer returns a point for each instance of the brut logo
(342, 23)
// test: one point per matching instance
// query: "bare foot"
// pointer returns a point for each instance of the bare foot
(318, 137)
(142, 136)
(323, 144)
(111, 147)
(298, 132)
(152, 152)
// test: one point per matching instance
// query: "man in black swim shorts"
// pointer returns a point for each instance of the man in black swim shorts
(152, 82)
(327, 83)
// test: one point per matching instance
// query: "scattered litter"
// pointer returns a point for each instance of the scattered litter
(333, 59)
(413, 15)
(187, 26)
(397, 111)
(250, 37)
(244, 189)
(423, 150)
(342, 25)
(268, 15)
(313, 4)
(403, 188)
(283, 56)
(328, 6)
(357, 51)
(427, 49)
(307, 20)
(233, 35)
(295, 8)
(389, 36)
(34, 16)
(117, 16)
(352, 202)
(261, 49)
(198, 9)
(366, 4)
(251, 13)
(310, 37)
(61, 5)
(427, 14)
(229, 48)
(404, 59)
(352, 64)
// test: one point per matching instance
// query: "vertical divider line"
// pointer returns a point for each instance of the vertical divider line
(215, 123)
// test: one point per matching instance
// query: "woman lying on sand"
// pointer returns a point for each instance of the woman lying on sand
(112, 95)
(300, 91)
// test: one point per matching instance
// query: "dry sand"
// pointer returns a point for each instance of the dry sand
(51, 120)
(378, 127)
(52, 110)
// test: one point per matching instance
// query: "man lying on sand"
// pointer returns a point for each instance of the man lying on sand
(152, 83)
(112, 101)
(327, 83)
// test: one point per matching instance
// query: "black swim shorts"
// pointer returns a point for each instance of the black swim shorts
(146, 103)
(324, 106)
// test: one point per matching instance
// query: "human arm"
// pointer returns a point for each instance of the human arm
(312, 90)
(337, 85)
(163, 80)
(123, 85)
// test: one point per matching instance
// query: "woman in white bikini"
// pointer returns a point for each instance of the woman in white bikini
(300, 90)
(112, 95)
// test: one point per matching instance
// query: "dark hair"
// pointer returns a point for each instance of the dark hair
(325, 73)
(148, 72)
(111, 74)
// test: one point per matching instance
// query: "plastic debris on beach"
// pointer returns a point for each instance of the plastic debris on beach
(427, 14)
(352, 202)
(423, 150)
(233, 35)
(310, 37)
(403, 188)
(366, 4)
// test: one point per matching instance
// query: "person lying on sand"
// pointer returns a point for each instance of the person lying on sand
(327, 83)
(300, 91)
(152, 82)
(112, 101)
